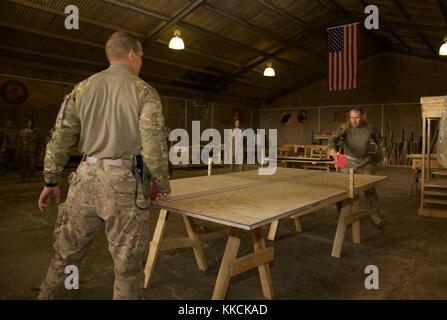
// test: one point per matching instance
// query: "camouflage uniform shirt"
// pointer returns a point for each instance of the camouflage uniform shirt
(28, 141)
(356, 140)
(108, 125)
(9, 138)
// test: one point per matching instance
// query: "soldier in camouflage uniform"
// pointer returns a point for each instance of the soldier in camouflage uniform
(234, 167)
(28, 149)
(355, 136)
(111, 115)
(9, 144)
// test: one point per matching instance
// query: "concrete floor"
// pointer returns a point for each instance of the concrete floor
(410, 252)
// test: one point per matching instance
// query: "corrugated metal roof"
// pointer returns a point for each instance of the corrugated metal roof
(33, 30)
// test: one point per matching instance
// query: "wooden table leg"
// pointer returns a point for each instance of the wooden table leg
(341, 228)
(264, 269)
(197, 246)
(356, 224)
(230, 254)
(298, 224)
(154, 247)
(273, 229)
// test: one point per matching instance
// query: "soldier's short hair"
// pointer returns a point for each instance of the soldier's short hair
(119, 44)
(358, 110)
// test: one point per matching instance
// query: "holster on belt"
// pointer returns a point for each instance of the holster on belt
(142, 176)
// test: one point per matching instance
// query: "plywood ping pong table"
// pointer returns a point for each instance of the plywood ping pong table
(248, 201)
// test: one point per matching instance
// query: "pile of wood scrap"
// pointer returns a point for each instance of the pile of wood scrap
(400, 147)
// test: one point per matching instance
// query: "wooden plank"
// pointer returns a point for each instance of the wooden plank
(251, 261)
(440, 172)
(432, 212)
(264, 269)
(441, 193)
(435, 201)
(433, 107)
(170, 244)
(230, 254)
(354, 217)
(436, 183)
(154, 248)
(197, 247)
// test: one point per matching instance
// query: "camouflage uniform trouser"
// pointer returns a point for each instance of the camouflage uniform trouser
(363, 166)
(28, 164)
(100, 193)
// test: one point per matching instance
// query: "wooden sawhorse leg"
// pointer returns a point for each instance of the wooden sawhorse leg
(274, 227)
(350, 215)
(159, 243)
(232, 266)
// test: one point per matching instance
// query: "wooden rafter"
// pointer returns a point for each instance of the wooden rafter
(204, 31)
(407, 17)
(101, 46)
(443, 9)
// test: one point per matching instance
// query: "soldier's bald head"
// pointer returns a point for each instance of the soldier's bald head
(119, 45)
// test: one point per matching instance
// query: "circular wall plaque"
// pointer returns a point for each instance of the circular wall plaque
(14, 92)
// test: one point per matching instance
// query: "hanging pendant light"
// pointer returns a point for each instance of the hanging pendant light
(269, 72)
(176, 42)
(443, 49)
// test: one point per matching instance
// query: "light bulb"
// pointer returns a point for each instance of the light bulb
(269, 72)
(176, 42)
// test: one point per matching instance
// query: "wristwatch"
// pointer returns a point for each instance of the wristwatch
(50, 185)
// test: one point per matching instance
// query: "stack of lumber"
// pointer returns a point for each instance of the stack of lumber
(399, 147)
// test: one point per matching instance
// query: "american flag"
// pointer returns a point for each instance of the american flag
(343, 57)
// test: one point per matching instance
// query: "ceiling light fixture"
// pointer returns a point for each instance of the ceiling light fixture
(443, 49)
(269, 72)
(176, 42)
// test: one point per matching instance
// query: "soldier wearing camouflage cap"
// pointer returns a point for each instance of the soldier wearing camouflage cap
(355, 135)
(110, 116)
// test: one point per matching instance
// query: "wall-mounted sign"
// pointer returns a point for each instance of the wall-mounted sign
(14, 92)
(294, 118)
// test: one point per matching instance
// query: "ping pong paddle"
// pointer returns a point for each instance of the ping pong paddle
(153, 192)
(341, 160)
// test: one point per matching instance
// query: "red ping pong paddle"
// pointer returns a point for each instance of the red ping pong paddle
(153, 192)
(341, 160)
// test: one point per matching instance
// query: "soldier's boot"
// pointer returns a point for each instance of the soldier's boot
(378, 219)
(373, 208)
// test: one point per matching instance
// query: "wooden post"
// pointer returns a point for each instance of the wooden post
(210, 165)
(154, 247)
(356, 224)
(428, 147)
(424, 138)
(351, 183)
